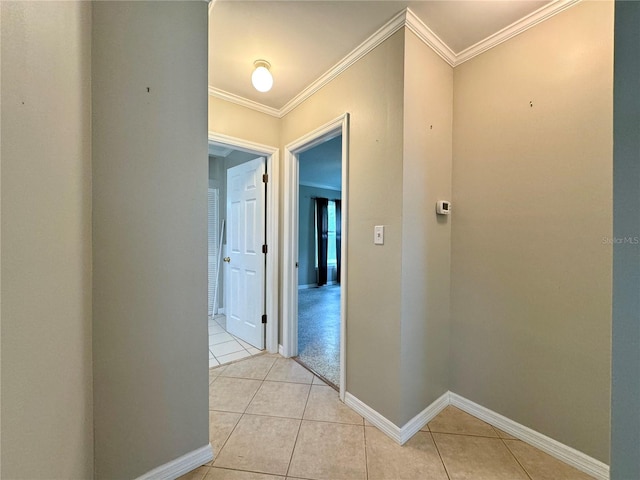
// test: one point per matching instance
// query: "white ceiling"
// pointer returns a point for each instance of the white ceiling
(303, 39)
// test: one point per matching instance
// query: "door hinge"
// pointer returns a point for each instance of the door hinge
(264, 318)
(265, 178)
(264, 248)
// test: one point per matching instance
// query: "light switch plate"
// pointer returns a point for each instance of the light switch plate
(378, 235)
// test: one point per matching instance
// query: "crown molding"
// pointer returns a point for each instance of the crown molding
(429, 38)
(516, 28)
(384, 32)
(245, 102)
(405, 18)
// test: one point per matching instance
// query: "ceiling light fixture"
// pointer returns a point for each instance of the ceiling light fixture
(261, 77)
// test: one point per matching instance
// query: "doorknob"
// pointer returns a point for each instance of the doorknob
(226, 259)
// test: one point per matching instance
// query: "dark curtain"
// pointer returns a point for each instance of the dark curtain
(338, 236)
(322, 235)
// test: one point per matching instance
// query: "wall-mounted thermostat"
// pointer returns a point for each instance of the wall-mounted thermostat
(443, 207)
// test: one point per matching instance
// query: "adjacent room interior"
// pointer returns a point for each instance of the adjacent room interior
(227, 342)
(319, 262)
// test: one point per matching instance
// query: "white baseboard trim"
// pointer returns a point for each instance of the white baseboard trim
(281, 350)
(414, 425)
(181, 465)
(399, 434)
(554, 448)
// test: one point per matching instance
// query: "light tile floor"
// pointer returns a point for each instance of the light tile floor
(272, 419)
(224, 347)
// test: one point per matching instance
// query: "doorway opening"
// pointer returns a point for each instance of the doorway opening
(319, 259)
(242, 223)
(315, 251)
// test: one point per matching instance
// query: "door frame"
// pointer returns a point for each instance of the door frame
(332, 129)
(271, 271)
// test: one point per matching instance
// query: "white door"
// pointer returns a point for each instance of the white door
(245, 260)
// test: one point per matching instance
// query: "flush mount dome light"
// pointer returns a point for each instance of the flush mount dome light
(261, 76)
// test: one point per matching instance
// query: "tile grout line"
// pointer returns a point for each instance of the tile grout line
(241, 414)
(366, 456)
(433, 439)
(515, 458)
(291, 418)
(293, 450)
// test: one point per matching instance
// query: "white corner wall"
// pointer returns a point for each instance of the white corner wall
(150, 170)
(46, 361)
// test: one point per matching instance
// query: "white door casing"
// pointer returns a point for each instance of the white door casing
(289, 285)
(245, 259)
(272, 155)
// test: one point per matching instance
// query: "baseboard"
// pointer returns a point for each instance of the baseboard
(281, 350)
(181, 465)
(414, 425)
(554, 448)
(398, 434)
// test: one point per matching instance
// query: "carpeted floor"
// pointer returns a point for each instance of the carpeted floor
(319, 330)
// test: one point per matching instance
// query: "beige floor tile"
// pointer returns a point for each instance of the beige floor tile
(329, 451)
(255, 368)
(477, 458)
(324, 405)
(197, 474)
(225, 348)
(221, 424)
(225, 474)
(541, 466)
(318, 381)
(504, 435)
(232, 394)
(418, 458)
(287, 370)
(280, 399)
(215, 372)
(260, 444)
(232, 357)
(454, 420)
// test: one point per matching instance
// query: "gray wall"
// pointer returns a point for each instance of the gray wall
(531, 274)
(307, 274)
(46, 240)
(625, 416)
(426, 237)
(371, 90)
(150, 235)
